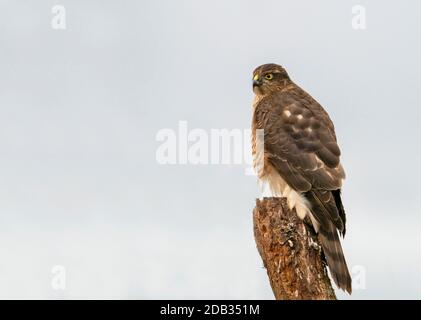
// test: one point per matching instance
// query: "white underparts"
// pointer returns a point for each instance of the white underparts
(273, 185)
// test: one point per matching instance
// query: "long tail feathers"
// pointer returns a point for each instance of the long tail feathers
(335, 257)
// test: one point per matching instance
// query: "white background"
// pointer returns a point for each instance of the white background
(80, 109)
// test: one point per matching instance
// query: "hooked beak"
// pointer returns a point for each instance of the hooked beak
(256, 81)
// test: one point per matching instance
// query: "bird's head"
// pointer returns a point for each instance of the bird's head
(269, 78)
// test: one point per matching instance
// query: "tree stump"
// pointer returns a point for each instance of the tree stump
(291, 252)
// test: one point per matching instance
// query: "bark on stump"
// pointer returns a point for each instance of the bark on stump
(291, 252)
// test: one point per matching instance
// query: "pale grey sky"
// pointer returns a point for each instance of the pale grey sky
(80, 109)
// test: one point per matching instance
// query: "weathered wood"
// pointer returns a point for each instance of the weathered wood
(291, 252)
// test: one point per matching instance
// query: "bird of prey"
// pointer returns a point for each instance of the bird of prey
(300, 159)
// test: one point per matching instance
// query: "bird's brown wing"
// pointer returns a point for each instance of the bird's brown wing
(300, 143)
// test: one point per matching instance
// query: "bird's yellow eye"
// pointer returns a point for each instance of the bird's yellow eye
(269, 76)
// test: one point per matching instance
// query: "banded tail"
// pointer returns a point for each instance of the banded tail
(328, 211)
(335, 258)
